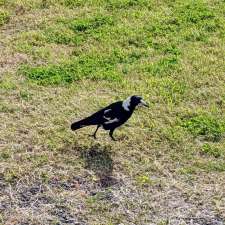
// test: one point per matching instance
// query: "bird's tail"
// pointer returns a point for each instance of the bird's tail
(82, 123)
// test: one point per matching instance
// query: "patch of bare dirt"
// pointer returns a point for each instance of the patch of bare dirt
(9, 63)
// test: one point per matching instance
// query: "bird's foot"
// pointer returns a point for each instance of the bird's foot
(113, 138)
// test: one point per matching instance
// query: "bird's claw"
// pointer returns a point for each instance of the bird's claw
(113, 139)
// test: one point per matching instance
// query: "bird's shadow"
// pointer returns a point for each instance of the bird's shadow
(99, 160)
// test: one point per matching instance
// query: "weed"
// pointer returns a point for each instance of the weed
(209, 127)
(163, 67)
(2, 2)
(47, 75)
(174, 135)
(60, 34)
(212, 151)
(188, 170)
(32, 38)
(5, 108)
(126, 4)
(164, 222)
(25, 95)
(90, 24)
(76, 31)
(84, 67)
(4, 17)
(73, 3)
(195, 13)
(192, 21)
(5, 155)
(211, 166)
(170, 91)
(144, 180)
(11, 175)
(7, 84)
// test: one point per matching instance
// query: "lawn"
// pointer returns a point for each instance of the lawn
(61, 61)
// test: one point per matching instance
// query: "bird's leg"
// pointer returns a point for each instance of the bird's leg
(111, 134)
(94, 135)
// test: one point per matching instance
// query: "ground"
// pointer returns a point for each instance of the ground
(61, 61)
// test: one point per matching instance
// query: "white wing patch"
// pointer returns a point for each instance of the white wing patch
(112, 121)
(107, 110)
(126, 104)
(107, 118)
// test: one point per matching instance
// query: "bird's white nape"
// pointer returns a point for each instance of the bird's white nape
(126, 104)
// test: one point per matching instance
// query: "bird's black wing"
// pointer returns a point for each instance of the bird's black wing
(108, 113)
(113, 113)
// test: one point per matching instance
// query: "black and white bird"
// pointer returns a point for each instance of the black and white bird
(112, 116)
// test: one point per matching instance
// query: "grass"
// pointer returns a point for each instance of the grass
(212, 150)
(206, 126)
(61, 61)
(89, 66)
(4, 17)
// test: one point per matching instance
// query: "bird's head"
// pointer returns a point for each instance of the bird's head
(133, 101)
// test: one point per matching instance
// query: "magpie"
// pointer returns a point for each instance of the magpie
(112, 116)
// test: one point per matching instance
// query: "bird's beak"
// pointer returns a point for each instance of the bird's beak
(143, 103)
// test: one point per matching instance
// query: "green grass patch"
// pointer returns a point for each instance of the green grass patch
(206, 166)
(189, 21)
(126, 4)
(168, 89)
(75, 3)
(51, 74)
(205, 125)
(11, 174)
(79, 30)
(95, 67)
(188, 170)
(163, 67)
(166, 33)
(38, 160)
(4, 17)
(31, 39)
(174, 134)
(90, 24)
(25, 95)
(211, 166)
(7, 108)
(144, 180)
(110, 66)
(61, 34)
(194, 12)
(5, 154)
(108, 4)
(7, 84)
(32, 43)
(211, 150)
(2, 2)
